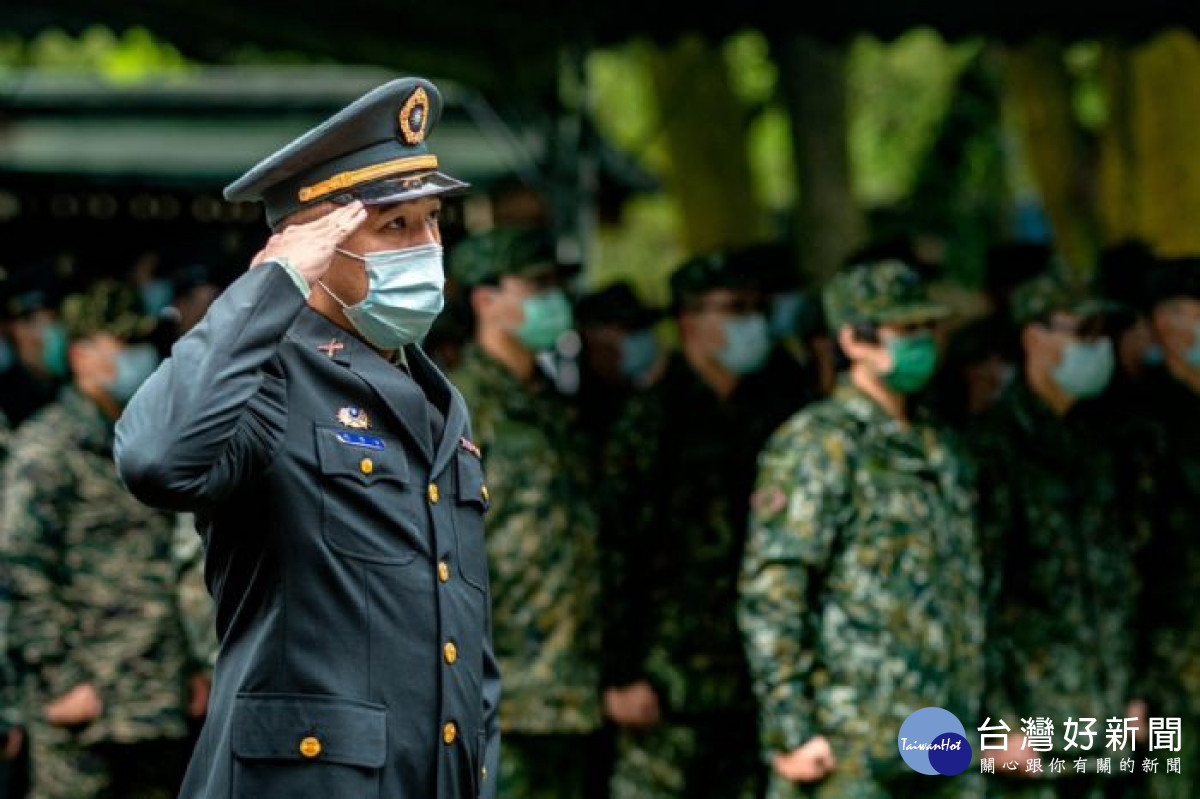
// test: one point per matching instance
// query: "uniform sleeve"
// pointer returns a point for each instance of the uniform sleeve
(799, 506)
(197, 613)
(213, 414)
(627, 504)
(43, 629)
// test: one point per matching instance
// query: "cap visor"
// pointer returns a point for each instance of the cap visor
(398, 190)
(910, 314)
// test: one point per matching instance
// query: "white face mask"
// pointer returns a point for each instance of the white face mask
(404, 295)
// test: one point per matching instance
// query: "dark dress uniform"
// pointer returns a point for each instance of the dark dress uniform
(341, 502)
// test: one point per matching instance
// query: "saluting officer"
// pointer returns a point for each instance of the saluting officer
(338, 492)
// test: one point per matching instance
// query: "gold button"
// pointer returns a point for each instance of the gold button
(433, 493)
(450, 651)
(487, 495)
(310, 747)
(483, 771)
(367, 466)
(443, 572)
(449, 732)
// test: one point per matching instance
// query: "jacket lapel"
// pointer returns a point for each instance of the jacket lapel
(456, 416)
(396, 391)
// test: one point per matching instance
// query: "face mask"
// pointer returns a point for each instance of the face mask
(134, 365)
(1085, 368)
(404, 295)
(786, 310)
(914, 359)
(1192, 356)
(747, 344)
(54, 349)
(156, 296)
(639, 351)
(7, 357)
(547, 316)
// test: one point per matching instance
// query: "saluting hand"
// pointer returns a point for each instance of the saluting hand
(309, 246)
(811, 762)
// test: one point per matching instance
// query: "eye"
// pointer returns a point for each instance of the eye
(398, 223)
(435, 216)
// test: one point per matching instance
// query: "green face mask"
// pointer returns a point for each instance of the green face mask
(54, 349)
(547, 316)
(914, 359)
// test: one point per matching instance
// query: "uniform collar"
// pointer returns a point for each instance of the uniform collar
(90, 428)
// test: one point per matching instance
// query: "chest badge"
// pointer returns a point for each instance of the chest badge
(332, 348)
(470, 447)
(354, 418)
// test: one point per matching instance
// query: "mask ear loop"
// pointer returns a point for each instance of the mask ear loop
(321, 283)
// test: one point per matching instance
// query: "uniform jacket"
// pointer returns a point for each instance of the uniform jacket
(341, 503)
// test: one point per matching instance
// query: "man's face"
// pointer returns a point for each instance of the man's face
(1046, 342)
(28, 336)
(388, 227)
(502, 306)
(876, 355)
(702, 321)
(94, 359)
(1176, 323)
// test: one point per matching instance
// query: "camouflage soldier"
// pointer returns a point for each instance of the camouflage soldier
(1060, 579)
(680, 468)
(95, 620)
(541, 529)
(1165, 432)
(860, 589)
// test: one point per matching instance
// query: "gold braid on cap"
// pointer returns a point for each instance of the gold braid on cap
(345, 180)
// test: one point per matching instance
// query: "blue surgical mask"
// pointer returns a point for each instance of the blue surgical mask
(1192, 356)
(54, 349)
(1086, 368)
(639, 352)
(156, 295)
(547, 316)
(404, 295)
(747, 344)
(134, 365)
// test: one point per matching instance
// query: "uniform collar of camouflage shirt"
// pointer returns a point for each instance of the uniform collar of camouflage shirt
(494, 376)
(92, 430)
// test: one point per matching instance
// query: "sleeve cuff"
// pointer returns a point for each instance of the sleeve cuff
(295, 275)
(784, 732)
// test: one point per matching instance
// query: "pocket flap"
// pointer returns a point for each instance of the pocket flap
(315, 728)
(470, 480)
(364, 456)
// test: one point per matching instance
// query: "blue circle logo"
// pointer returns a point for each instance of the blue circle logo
(934, 741)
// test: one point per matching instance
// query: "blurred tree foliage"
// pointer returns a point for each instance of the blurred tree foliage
(130, 56)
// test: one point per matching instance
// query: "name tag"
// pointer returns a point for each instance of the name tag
(360, 440)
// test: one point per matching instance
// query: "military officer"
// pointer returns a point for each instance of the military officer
(860, 587)
(95, 622)
(541, 520)
(336, 485)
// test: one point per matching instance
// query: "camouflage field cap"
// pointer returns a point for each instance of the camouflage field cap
(1055, 291)
(505, 250)
(704, 273)
(879, 292)
(106, 306)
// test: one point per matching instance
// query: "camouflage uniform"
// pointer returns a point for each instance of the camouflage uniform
(1061, 582)
(94, 599)
(541, 536)
(861, 582)
(10, 701)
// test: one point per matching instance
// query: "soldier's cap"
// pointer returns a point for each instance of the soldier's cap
(506, 250)
(374, 150)
(1056, 291)
(770, 267)
(616, 304)
(106, 306)
(1173, 278)
(709, 272)
(887, 291)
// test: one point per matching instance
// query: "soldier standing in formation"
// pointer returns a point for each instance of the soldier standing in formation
(95, 616)
(861, 583)
(541, 524)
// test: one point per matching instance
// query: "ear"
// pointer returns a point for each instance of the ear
(848, 343)
(1031, 337)
(482, 298)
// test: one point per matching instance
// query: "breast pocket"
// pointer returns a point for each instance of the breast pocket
(369, 508)
(474, 499)
(304, 747)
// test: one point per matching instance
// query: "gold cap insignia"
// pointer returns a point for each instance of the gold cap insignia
(355, 418)
(414, 115)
